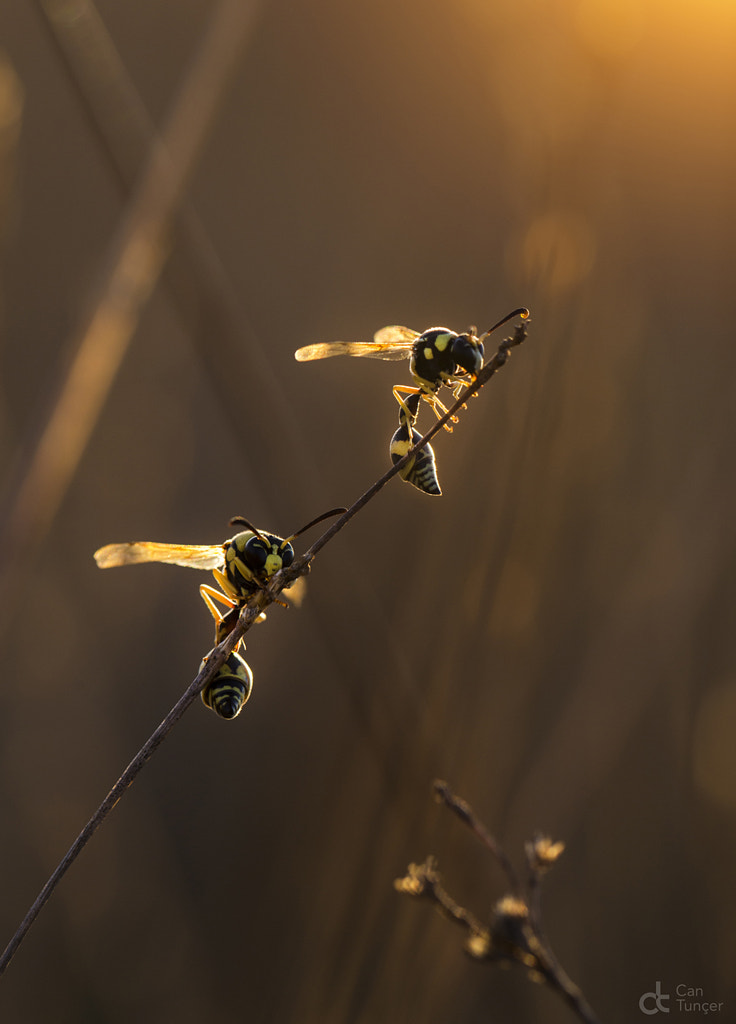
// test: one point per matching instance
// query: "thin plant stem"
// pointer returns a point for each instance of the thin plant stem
(515, 935)
(491, 367)
(465, 813)
(248, 615)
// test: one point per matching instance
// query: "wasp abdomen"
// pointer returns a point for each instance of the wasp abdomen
(420, 471)
(231, 687)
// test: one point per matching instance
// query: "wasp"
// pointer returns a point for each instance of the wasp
(230, 688)
(420, 471)
(437, 357)
(241, 566)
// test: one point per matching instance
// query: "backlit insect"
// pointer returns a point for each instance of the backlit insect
(230, 688)
(420, 470)
(438, 357)
(241, 566)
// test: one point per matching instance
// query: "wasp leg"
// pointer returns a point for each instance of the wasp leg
(439, 410)
(209, 595)
(437, 407)
(242, 568)
(402, 389)
(224, 623)
(224, 583)
(456, 386)
(232, 592)
(247, 574)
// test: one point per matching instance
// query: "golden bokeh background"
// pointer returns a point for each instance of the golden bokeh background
(555, 635)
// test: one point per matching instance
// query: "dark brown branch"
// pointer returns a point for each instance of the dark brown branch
(424, 880)
(203, 678)
(465, 812)
(248, 615)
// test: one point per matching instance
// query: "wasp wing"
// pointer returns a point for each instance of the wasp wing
(393, 347)
(192, 556)
(395, 337)
(296, 592)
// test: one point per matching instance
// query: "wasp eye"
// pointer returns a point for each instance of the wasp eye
(256, 553)
(287, 555)
(468, 353)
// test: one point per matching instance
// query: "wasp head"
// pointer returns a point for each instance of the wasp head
(252, 558)
(265, 554)
(467, 351)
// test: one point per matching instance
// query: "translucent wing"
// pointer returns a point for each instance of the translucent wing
(388, 343)
(296, 592)
(192, 556)
(396, 336)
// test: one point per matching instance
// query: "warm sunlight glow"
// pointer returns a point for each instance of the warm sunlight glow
(611, 28)
(557, 251)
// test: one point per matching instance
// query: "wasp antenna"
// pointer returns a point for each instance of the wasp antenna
(325, 515)
(522, 311)
(242, 521)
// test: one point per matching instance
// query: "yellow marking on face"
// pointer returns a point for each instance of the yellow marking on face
(273, 564)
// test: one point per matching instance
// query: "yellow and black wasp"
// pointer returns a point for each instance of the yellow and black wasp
(421, 470)
(437, 357)
(241, 566)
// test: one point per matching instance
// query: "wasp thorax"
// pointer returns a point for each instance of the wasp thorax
(435, 342)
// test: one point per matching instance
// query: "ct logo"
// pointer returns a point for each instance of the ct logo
(658, 999)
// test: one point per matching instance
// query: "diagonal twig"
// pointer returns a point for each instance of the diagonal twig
(248, 615)
(514, 934)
